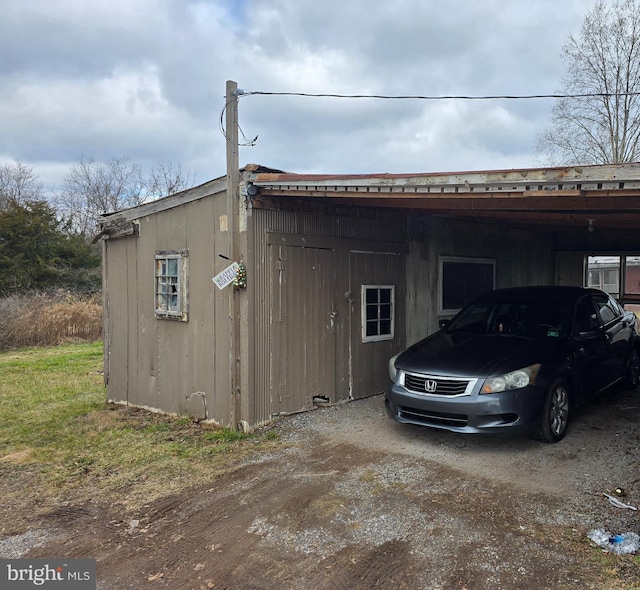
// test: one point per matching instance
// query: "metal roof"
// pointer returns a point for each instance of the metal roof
(609, 195)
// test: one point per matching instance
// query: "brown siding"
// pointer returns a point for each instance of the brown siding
(370, 359)
(179, 367)
(118, 319)
(302, 323)
(523, 257)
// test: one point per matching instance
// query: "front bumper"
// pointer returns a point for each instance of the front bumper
(506, 411)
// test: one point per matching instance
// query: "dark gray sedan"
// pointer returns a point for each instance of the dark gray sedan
(519, 358)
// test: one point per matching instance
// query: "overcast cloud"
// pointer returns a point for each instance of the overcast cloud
(145, 79)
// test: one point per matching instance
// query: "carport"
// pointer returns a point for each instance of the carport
(586, 210)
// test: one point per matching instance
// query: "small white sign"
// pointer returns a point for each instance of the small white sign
(225, 278)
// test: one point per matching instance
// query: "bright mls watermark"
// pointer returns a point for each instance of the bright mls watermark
(63, 574)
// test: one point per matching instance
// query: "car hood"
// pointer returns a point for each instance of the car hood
(470, 355)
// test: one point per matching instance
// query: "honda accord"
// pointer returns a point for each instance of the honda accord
(517, 359)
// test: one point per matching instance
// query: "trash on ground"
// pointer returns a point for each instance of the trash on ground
(621, 544)
(617, 503)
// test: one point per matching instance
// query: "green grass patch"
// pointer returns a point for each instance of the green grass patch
(60, 437)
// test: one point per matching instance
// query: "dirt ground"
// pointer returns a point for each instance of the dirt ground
(354, 500)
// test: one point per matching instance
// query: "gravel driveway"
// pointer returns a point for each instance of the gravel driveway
(354, 500)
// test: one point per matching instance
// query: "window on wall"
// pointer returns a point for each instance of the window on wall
(462, 280)
(171, 284)
(378, 310)
(603, 272)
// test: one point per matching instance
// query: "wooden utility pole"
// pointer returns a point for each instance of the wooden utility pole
(233, 211)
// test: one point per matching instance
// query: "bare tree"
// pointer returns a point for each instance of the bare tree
(92, 188)
(602, 125)
(167, 178)
(18, 184)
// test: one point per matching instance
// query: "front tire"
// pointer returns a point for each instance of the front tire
(555, 413)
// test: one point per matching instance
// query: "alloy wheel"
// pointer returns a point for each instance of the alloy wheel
(559, 410)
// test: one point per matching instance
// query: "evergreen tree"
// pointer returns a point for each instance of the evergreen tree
(37, 252)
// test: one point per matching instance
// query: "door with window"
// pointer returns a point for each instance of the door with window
(376, 299)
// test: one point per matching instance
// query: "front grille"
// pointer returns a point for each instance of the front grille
(428, 417)
(425, 385)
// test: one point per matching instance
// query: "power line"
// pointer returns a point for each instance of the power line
(243, 93)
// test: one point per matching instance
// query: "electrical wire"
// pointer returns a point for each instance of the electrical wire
(442, 97)
(247, 142)
(242, 93)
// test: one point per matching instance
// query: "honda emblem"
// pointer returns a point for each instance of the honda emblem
(430, 386)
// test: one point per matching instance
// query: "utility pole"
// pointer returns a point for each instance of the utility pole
(233, 211)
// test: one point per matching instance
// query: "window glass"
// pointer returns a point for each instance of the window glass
(585, 319)
(608, 308)
(170, 285)
(603, 272)
(377, 312)
(464, 279)
(527, 317)
(632, 275)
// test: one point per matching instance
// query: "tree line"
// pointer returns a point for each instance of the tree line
(45, 239)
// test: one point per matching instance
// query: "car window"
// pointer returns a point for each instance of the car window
(474, 319)
(607, 307)
(585, 319)
(529, 317)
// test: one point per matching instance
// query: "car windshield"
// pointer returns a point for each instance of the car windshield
(531, 318)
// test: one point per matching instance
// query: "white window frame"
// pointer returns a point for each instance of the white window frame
(378, 320)
(178, 282)
(448, 312)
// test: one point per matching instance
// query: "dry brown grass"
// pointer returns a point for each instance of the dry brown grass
(41, 319)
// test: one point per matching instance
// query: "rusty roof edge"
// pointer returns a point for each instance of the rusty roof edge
(524, 176)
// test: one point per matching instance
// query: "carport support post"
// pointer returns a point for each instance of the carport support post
(233, 210)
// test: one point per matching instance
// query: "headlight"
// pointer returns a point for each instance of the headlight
(393, 372)
(513, 380)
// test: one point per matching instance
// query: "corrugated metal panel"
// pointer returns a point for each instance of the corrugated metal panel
(145, 371)
(175, 366)
(374, 226)
(304, 336)
(260, 307)
(117, 312)
(321, 331)
(523, 257)
(370, 359)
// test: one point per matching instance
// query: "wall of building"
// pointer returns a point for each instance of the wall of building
(522, 257)
(301, 322)
(175, 366)
(306, 296)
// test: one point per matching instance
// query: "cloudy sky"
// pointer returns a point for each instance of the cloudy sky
(145, 79)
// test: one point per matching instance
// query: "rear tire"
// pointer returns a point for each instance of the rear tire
(555, 413)
(633, 370)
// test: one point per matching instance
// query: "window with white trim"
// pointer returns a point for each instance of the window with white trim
(171, 299)
(462, 280)
(378, 312)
